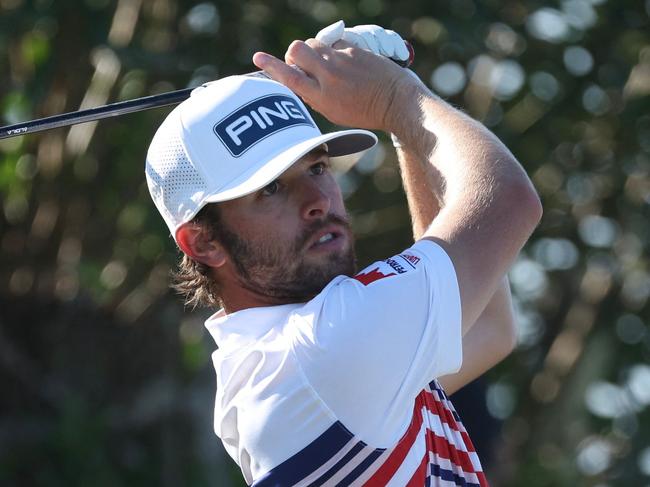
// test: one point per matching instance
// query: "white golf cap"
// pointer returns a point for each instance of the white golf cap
(230, 138)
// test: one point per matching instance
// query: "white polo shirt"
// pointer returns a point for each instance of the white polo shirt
(341, 390)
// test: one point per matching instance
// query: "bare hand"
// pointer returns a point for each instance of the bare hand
(349, 86)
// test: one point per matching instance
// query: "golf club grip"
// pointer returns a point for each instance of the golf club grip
(121, 108)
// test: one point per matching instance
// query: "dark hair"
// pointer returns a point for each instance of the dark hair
(193, 279)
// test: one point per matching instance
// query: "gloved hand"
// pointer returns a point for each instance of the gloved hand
(378, 40)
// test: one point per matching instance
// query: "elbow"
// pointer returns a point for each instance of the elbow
(530, 200)
(535, 204)
(524, 201)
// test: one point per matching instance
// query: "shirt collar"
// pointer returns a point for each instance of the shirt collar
(238, 329)
(242, 327)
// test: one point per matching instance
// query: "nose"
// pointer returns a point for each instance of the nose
(315, 201)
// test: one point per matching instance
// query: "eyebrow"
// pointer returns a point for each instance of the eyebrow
(317, 152)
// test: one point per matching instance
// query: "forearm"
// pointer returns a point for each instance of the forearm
(419, 181)
(493, 336)
(488, 342)
(465, 191)
(460, 159)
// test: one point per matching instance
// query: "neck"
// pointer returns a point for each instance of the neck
(240, 299)
(236, 297)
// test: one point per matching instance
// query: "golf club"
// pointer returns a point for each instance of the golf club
(120, 108)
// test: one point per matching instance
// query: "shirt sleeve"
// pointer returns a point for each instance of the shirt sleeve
(376, 340)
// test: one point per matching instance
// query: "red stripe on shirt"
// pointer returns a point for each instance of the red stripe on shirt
(397, 456)
(437, 445)
(446, 450)
(446, 417)
(482, 479)
(417, 480)
(442, 446)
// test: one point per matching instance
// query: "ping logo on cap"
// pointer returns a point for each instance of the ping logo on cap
(258, 119)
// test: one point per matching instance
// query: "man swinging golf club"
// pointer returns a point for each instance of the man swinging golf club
(324, 376)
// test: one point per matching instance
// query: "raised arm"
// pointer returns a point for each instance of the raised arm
(493, 336)
(489, 207)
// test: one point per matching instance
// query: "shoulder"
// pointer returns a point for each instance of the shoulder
(424, 253)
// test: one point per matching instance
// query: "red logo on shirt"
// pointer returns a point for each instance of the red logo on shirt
(371, 276)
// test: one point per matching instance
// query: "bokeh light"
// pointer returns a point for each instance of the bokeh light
(449, 79)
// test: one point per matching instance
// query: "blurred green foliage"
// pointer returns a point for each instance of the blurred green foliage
(108, 381)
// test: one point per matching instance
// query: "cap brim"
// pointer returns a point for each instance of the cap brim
(341, 143)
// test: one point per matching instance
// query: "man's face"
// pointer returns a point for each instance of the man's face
(288, 240)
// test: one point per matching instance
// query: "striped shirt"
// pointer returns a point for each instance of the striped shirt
(341, 390)
(434, 451)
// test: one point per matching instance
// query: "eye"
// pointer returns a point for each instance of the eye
(318, 169)
(271, 188)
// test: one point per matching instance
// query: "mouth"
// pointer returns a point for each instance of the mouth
(327, 238)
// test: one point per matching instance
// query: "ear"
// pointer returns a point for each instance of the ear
(194, 241)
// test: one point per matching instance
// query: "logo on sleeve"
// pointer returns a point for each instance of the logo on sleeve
(399, 268)
(258, 119)
(373, 275)
(410, 258)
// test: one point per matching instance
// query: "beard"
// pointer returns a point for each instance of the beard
(270, 268)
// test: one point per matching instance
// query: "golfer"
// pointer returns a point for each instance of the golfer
(326, 375)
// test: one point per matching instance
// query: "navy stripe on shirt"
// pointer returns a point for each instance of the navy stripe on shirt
(450, 476)
(307, 460)
(339, 465)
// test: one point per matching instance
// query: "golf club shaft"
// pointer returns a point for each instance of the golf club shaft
(118, 108)
(97, 113)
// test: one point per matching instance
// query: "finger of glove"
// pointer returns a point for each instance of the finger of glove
(358, 41)
(388, 40)
(367, 32)
(398, 45)
(390, 43)
(332, 33)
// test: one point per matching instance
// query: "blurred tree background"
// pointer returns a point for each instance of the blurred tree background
(107, 380)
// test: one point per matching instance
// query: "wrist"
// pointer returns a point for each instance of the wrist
(405, 116)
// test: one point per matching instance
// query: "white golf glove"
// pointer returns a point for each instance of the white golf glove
(378, 40)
